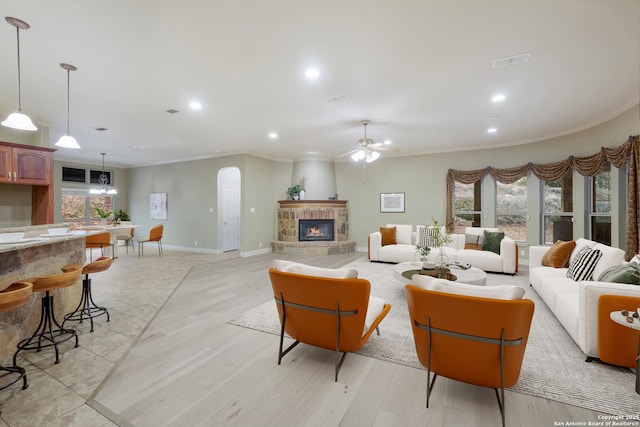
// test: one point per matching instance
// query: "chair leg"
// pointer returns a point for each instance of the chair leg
(87, 308)
(14, 370)
(160, 252)
(46, 332)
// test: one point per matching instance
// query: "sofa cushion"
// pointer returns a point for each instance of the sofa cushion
(404, 233)
(310, 270)
(627, 273)
(558, 255)
(505, 292)
(582, 266)
(610, 256)
(492, 241)
(388, 235)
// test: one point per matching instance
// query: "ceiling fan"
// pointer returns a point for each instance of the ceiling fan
(366, 149)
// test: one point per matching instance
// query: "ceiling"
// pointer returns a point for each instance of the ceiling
(419, 70)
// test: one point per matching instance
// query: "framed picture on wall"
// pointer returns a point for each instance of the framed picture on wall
(391, 202)
(158, 205)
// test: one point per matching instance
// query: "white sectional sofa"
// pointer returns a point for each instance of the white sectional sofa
(407, 238)
(575, 303)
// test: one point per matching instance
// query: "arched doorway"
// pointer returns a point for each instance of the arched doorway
(229, 208)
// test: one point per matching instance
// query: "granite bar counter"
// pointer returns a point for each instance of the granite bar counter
(33, 257)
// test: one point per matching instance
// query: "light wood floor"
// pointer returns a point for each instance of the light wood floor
(186, 366)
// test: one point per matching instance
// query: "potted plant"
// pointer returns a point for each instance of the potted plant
(102, 213)
(119, 215)
(438, 238)
(294, 191)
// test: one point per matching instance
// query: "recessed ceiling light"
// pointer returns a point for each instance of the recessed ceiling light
(312, 73)
(492, 130)
(195, 105)
(137, 147)
(273, 135)
(498, 98)
(101, 129)
(172, 111)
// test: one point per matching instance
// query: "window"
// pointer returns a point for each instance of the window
(94, 177)
(558, 209)
(73, 174)
(511, 209)
(467, 206)
(600, 206)
(77, 207)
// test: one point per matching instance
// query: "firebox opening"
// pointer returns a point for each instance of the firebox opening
(315, 230)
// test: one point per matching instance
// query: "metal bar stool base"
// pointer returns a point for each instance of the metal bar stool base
(87, 309)
(46, 335)
(22, 375)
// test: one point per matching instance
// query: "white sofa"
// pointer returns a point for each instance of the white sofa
(407, 238)
(575, 304)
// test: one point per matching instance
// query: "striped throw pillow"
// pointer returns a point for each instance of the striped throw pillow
(582, 266)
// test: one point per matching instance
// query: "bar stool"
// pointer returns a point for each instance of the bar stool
(45, 330)
(11, 298)
(87, 308)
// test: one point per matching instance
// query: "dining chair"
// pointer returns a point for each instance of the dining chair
(126, 237)
(155, 235)
(98, 240)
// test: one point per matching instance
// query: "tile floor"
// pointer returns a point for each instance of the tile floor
(133, 290)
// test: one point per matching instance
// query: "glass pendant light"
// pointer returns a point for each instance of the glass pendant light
(66, 140)
(17, 119)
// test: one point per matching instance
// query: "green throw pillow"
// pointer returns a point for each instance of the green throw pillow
(491, 241)
(626, 274)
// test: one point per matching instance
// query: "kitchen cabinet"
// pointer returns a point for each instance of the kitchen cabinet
(29, 165)
(25, 165)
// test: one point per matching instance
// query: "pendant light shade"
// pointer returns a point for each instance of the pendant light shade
(18, 120)
(66, 140)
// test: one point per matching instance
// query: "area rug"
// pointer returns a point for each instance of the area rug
(554, 367)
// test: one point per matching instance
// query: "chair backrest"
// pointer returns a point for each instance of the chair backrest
(471, 360)
(156, 232)
(98, 240)
(317, 323)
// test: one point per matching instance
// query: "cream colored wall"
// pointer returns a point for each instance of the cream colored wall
(15, 205)
(422, 178)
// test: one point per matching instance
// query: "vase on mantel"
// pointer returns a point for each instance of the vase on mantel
(302, 194)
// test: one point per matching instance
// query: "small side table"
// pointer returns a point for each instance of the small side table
(621, 319)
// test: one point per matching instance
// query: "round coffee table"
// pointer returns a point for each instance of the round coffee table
(471, 276)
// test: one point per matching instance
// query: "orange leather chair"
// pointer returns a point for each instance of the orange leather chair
(617, 345)
(98, 241)
(323, 312)
(475, 340)
(155, 235)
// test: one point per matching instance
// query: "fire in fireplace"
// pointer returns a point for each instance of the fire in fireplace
(315, 230)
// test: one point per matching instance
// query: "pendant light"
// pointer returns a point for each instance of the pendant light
(103, 179)
(66, 140)
(17, 119)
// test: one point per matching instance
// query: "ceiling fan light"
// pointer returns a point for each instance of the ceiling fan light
(112, 191)
(67, 141)
(373, 156)
(19, 120)
(358, 155)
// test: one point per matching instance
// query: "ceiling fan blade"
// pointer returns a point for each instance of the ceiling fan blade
(348, 153)
(383, 148)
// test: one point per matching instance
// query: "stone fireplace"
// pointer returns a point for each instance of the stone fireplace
(313, 227)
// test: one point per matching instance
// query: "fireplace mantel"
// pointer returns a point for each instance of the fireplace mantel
(312, 203)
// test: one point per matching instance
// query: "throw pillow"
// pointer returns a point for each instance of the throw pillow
(388, 235)
(423, 238)
(603, 276)
(558, 255)
(492, 241)
(582, 266)
(472, 241)
(625, 274)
